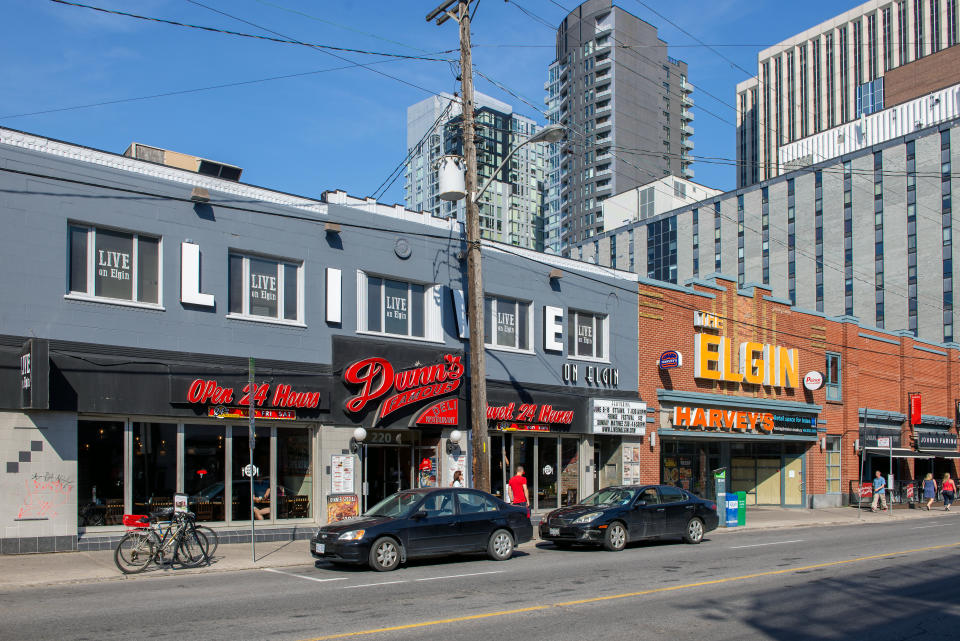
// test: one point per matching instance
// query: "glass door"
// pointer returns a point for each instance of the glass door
(547, 473)
(262, 498)
(569, 470)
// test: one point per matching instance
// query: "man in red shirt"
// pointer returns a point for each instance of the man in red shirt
(519, 495)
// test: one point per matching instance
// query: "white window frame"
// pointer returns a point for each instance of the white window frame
(91, 260)
(493, 331)
(281, 290)
(432, 312)
(604, 319)
(839, 466)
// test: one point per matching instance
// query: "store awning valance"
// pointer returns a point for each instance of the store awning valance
(942, 453)
(897, 452)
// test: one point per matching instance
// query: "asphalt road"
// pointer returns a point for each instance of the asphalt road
(879, 582)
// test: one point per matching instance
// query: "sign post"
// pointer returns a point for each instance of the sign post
(251, 439)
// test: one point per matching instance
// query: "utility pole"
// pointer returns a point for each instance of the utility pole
(478, 376)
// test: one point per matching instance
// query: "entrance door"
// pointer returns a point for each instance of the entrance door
(388, 471)
(768, 481)
(793, 481)
(547, 473)
(606, 454)
(743, 477)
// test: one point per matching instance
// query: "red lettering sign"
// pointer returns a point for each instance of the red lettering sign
(203, 392)
(442, 413)
(915, 418)
(376, 378)
(528, 413)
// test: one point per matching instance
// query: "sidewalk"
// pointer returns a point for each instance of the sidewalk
(21, 571)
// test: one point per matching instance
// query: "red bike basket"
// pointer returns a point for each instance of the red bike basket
(136, 520)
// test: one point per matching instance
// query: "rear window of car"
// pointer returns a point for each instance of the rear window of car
(474, 503)
(672, 494)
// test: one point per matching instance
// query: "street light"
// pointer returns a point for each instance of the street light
(550, 133)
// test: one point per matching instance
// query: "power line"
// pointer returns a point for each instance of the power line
(250, 35)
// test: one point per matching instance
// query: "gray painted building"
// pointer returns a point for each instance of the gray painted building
(617, 90)
(135, 293)
(867, 234)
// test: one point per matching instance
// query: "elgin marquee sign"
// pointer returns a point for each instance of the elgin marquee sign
(715, 358)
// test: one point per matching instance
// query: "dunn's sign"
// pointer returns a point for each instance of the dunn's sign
(377, 379)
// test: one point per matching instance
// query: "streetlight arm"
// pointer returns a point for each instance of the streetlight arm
(496, 171)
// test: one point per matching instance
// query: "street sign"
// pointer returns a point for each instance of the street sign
(250, 470)
(883, 441)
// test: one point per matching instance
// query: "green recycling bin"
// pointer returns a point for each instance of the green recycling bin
(741, 508)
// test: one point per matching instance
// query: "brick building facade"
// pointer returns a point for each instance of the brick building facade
(792, 446)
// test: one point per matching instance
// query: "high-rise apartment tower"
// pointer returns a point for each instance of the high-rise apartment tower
(627, 107)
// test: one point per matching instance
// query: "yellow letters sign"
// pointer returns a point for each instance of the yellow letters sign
(758, 363)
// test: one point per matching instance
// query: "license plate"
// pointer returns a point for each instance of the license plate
(554, 531)
(320, 548)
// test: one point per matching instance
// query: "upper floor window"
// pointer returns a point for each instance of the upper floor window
(114, 264)
(506, 323)
(266, 288)
(832, 381)
(398, 308)
(586, 334)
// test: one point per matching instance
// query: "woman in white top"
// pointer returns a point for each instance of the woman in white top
(457, 479)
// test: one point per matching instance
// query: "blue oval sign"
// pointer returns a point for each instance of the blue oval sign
(670, 360)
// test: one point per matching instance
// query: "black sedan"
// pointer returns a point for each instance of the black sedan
(425, 522)
(617, 515)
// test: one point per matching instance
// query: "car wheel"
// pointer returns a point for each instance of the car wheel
(500, 547)
(615, 537)
(384, 555)
(694, 531)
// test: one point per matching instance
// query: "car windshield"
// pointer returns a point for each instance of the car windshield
(395, 505)
(609, 496)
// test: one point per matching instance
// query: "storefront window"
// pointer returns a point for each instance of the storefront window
(569, 470)
(833, 464)
(506, 323)
(264, 288)
(99, 473)
(497, 472)
(294, 474)
(154, 466)
(262, 496)
(203, 467)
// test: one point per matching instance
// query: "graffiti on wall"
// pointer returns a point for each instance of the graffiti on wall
(44, 493)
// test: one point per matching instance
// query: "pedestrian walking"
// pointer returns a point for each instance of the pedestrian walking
(518, 494)
(948, 488)
(457, 479)
(929, 490)
(879, 492)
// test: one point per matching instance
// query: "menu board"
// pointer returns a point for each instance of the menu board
(631, 465)
(341, 474)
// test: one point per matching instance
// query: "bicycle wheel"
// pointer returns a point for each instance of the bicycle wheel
(135, 551)
(192, 549)
(213, 541)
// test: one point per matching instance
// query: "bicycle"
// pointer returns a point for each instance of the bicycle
(151, 538)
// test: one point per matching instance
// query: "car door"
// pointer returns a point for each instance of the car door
(434, 526)
(646, 517)
(678, 507)
(479, 516)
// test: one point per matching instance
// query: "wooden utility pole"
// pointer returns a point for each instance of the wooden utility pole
(478, 375)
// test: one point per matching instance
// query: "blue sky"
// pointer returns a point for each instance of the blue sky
(331, 129)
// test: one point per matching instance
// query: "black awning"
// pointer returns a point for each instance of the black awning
(897, 452)
(942, 453)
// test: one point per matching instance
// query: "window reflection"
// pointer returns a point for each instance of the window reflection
(99, 473)
(203, 466)
(294, 474)
(154, 466)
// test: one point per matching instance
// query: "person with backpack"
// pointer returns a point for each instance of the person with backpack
(929, 490)
(948, 488)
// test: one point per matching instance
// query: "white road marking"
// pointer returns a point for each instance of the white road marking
(457, 576)
(756, 545)
(371, 585)
(920, 527)
(308, 578)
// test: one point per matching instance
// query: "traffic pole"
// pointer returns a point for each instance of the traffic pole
(251, 437)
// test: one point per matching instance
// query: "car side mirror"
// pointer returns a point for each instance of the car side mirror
(419, 515)
(640, 503)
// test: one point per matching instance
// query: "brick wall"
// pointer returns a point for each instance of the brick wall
(921, 77)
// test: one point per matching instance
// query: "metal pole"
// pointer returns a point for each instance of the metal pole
(890, 476)
(251, 437)
(862, 460)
